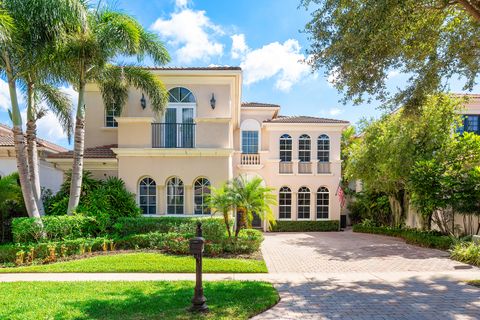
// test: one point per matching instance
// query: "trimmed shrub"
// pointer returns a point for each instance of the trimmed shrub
(56, 228)
(306, 226)
(429, 239)
(467, 252)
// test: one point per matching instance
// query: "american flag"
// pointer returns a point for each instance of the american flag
(341, 195)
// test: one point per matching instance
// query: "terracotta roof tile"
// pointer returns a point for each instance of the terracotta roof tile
(6, 140)
(99, 152)
(303, 119)
(259, 105)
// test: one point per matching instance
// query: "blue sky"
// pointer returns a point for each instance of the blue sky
(262, 36)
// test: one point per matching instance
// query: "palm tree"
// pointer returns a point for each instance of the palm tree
(250, 197)
(37, 24)
(88, 56)
(220, 201)
(6, 25)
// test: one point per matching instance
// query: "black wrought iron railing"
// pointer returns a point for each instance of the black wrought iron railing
(173, 135)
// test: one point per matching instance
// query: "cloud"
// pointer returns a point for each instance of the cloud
(392, 74)
(282, 61)
(181, 3)
(333, 76)
(239, 46)
(335, 111)
(192, 32)
(5, 102)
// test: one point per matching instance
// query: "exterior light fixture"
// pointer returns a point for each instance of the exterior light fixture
(143, 102)
(213, 101)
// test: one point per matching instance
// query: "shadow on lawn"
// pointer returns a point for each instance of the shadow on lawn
(170, 301)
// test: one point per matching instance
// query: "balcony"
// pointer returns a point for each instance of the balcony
(250, 159)
(304, 167)
(323, 167)
(285, 167)
(173, 135)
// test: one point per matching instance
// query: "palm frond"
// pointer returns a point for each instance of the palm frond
(6, 24)
(150, 45)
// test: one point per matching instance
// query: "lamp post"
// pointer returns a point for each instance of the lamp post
(196, 248)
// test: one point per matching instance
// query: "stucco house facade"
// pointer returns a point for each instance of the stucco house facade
(206, 137)
(50, 176)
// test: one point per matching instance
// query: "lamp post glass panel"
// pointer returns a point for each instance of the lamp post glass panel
(196, 248)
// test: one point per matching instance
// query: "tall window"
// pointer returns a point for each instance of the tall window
(303, 203)
(323, 148)
(249, 141)
(175, 196)
(471, 123)
(147, 194)
(110, 118)
(285, 148)
(322, 203)
(304, 148)
(285, 203)
(201, 189)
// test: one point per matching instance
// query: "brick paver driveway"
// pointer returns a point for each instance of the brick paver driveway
(349, 275)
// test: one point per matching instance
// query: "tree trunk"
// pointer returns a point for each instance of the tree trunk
(19, 141)
(240, 222)
(78, 149)
(227, 224)
(32, 149)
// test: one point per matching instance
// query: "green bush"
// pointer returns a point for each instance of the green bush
(306, 226)
(429, 239)
(467, 252)
(370, 205)
(55, 228)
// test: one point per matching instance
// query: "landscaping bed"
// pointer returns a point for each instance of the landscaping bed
(467, 252)
(132, 300)
(305, 226)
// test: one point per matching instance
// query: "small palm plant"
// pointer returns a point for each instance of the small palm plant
(220, 201)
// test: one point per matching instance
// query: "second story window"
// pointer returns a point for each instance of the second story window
(304, 148)
(285, 148)
(323, 148)
(110, 118)
(471, 123)
(249, 142)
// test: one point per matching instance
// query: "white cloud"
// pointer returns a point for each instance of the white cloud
(239, 46)
(5, 102)
(333, 76)
(192, 32)
(392, 74)
(283, 61)
(181, 3)
(335, 111)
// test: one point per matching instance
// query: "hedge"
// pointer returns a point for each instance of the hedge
(429, 239)
(306, 226)
(468, 252)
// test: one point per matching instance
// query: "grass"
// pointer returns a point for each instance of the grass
(132, 300)
(146, 262)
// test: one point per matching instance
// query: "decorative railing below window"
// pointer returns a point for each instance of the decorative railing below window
(285, 167)
(304, 167)
(323, 167)
(250, 159)
(173, 135)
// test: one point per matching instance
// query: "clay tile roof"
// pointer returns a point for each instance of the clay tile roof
(259, 105)
(6, 140)
(99, 152)
(194, 68)
(303, 119)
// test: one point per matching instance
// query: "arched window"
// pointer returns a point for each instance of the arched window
(304, 148)
(180, 95)
(147, 196)
(175, 196)
(285, 148)
(179, 130)
(285, 203)
(303, 203)
(323, 148)
(322, 203)
(201, 189)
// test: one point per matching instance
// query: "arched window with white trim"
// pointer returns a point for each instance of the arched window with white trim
(201, 190)
(304, 148)
(323, 202)
(147, 196)
(175, 196)
(285, 148)
(303, 203)
(285, 203)
(323, 148)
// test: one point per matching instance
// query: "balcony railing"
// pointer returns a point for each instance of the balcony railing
(323, 167)
(304, 167)
(250, 159)
(173, 135)
(285, 167)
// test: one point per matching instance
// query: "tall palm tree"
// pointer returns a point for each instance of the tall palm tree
(89, 55)
(251, 197)
(37, 23)
(220, 201)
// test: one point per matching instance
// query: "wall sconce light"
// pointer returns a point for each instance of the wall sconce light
(213, 101)
(143, 102)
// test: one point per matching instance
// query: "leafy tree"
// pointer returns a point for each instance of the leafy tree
(11, 203)
(220, 201)
(360, 42)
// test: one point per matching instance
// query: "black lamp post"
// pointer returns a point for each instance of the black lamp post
(196, 248)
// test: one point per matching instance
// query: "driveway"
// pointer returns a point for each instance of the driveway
(350, 275)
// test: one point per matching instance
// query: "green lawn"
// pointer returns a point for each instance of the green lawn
(131, 300)
(146, 262)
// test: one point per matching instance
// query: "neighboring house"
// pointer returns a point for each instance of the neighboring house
(207, 137)
(50, 177)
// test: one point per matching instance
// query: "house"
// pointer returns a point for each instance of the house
(50, 177)
(206, 137)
